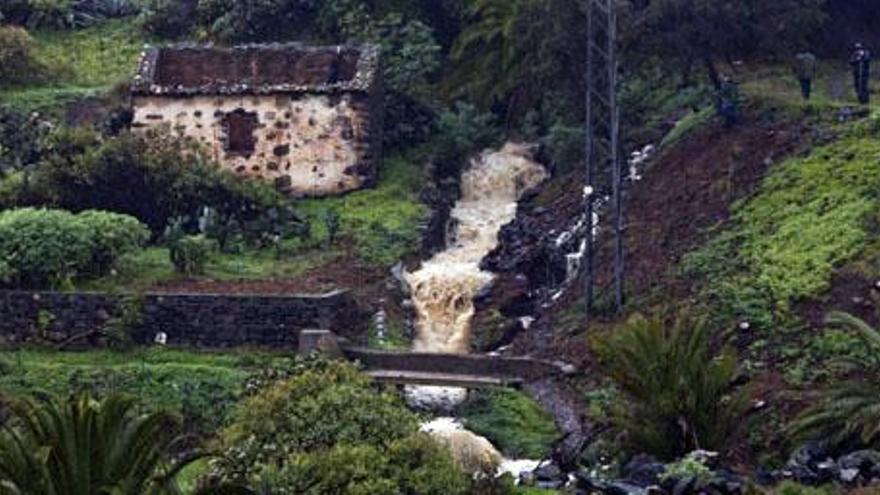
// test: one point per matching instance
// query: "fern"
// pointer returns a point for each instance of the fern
(83, 446)
(850, 411)
(679, 393)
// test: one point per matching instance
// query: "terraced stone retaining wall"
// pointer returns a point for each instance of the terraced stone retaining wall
(201, 320)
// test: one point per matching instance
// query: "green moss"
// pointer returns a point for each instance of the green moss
(384, 222)
(511, 421)
(783, 244)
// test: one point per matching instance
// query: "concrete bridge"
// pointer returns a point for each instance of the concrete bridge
(449, 370)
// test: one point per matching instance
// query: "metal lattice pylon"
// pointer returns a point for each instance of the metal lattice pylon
(603, 167)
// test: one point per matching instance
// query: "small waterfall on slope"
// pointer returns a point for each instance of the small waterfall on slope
(444, 288)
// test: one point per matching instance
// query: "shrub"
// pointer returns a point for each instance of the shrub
(52, 14)
(264, 20)
(168, 18)
(300, 424)
(85, 446)
(112, 236)
(50, 247)
(157, 178)
(12, 187)
(849, 411)
(512, 422)
(461, 131)
(190, 254)
(100, 10)
(20, 136)
(679, 393)
(415, 464)
(18, 57)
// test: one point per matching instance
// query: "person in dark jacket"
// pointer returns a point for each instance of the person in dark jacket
(860, 60)
(805, 70)
(728, 100)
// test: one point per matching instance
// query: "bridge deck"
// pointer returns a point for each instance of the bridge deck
(397, 377)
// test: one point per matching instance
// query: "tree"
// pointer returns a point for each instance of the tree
(704, 31)
(512, 51)
(82, 446)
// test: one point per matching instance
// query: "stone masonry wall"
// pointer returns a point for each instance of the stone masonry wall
(209, 321)
(307, 144)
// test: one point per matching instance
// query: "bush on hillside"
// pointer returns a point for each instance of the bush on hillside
(168, 18)
(52, 14)
(18, 58)
(20, 136)
(296, 436)
(680, 396)
(511, 421)
(157, 178)
(849, 411)
(415, 464)
(266, 20)
(47, 248)
(189, 254)
(462, 130)
(112, 236)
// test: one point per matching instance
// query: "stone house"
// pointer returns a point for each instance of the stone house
(307, 118)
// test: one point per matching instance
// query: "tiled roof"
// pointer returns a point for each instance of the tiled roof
(181, 70)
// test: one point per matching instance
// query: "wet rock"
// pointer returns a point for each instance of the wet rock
(808, 455)
(527, 478)
(828, 470)
(550, 476)
(583, 481)
(643, 470)
(862, 460)
(849, 476)
(548, 471)
(397, 274)
(685, 486)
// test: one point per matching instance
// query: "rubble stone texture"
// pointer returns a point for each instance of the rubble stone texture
(308, 119)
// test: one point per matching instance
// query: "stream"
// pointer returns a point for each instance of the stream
(443, 288)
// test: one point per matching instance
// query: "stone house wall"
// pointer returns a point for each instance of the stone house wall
(309, 145)
(308, 119)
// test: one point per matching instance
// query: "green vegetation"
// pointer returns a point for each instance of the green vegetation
(202, 387)
(18, 57)
(82, 63)
(84, 446)
(152, 266)
(383, 222)
(850, 411)
(51, 248)
(678, 392)
(189, 254)
(807, 218)
(325, 430)
(514, 423)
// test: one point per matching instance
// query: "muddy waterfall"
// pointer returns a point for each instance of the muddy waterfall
(444, 287)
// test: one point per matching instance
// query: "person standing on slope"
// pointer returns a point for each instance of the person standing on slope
(805, 70)
(860, 60)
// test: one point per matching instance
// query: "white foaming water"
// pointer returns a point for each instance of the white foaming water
(444, 288)
(474, 452)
